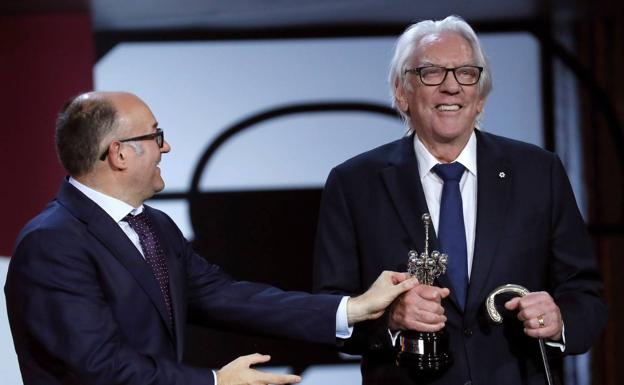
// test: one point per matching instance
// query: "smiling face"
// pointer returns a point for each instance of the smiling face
(142, 176)
(444, 114)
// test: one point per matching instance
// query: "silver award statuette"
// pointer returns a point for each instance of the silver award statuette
(425, 351)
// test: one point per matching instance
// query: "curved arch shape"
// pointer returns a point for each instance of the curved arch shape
(279, 112)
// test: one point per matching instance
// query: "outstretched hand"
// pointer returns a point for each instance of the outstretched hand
(238, 372)
(372, 304)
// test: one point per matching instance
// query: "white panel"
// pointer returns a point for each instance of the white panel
(347, 374)
(8, 359)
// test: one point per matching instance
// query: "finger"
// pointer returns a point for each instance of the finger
(550, 332)
(433, 293)
(417, 317)
(421, 315)
(429, 317)
(253, 359)
(538, 309)
(532, 313)
(540, 298)
(272, 378)
(427, 306)
(397, 278)
(413, 300)
(404, 286)
(424, 327)
(513, 303)
(531, 323)
(413, 303)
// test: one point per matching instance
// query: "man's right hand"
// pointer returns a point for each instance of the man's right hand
(419, 309)
(238, 372)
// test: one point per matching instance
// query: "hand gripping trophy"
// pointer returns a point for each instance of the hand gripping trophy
(425, 351)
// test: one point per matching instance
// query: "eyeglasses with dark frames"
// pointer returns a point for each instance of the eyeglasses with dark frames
(436, 75)
(159, 136)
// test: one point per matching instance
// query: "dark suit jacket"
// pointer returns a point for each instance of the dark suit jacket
(85, 308)
(528, 232)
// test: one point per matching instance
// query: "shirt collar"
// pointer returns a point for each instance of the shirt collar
(467, 157)
(114, 207)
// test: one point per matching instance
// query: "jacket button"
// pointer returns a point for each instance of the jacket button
(467, 333)
(376, 346)
(468, 383)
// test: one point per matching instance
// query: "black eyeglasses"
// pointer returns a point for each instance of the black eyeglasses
(159, 136)
(436, 75)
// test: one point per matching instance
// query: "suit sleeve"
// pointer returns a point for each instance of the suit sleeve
(217, 300)
(337, 264)
(58, 309)
(576, 281)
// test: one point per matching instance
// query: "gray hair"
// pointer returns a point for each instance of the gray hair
(410, 40)
(81, 128)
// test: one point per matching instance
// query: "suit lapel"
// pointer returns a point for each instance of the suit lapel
(493, 184)
(104, 228)
(402, 181)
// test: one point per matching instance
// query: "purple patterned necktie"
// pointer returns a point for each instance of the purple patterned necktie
(153, 252)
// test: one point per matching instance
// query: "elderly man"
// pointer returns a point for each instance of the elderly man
(502, 210)
(101, 287)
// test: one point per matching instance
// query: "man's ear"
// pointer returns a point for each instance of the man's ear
(117, 156)
(480, 105)
(400, 96)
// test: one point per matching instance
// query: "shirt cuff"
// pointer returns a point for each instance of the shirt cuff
(558, 344)
(343, 330)
(214, 375)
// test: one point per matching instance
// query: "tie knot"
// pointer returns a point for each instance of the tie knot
(139, 221)
(449, 171)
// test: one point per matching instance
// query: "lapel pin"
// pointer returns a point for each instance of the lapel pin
(502, 175)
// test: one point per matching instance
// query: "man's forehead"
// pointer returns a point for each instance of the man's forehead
(456, 47)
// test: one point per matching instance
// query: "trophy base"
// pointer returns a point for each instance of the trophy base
(424, 352)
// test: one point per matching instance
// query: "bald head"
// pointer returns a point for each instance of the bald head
(86, 124)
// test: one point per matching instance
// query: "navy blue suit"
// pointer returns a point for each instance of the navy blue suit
(85, 308)
(528, 232)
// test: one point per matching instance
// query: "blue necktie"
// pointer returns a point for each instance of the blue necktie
(451, 231)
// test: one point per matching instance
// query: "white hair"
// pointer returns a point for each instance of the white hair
(411, 39)
(138, 149)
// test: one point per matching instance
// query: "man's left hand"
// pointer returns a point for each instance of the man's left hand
(540, 315)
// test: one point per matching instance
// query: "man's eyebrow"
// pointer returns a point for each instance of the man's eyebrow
(155, 125)
(425, 63)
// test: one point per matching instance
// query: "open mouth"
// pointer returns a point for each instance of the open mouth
(448, 107)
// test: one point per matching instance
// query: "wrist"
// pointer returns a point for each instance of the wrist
(355, 311)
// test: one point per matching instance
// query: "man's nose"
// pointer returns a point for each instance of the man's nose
(166, 147)
(450, 84)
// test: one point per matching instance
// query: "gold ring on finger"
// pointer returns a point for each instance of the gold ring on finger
(540, 320)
